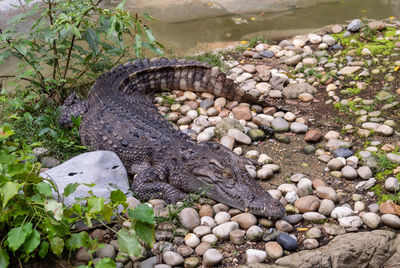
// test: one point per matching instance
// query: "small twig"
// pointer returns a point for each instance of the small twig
(55, 66)
(14, 76)
(94, 227)
(73, 40)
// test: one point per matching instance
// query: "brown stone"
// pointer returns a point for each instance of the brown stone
(325, 192)
(237, 237)
(269, 110)
(245, 220)
(263, 72)
(307, 203)
(193, 104)
(250, 68)
(206, 210)
(242, 112)
(349, 70)
(306, 97)
(318, 183)
(377, 25)
(389, 208)
(398, 90)
(336, 29)
(388, 147)
(202, 247)
(248, 53)
(313, 136)
(273, 250)
(224, 113)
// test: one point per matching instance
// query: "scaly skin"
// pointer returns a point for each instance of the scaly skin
(119, 115)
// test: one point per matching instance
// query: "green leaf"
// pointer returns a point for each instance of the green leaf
(121, 5)
(128, 243)
(4, 258)
(93, 40)
(142, 213)
(106, 263)
(70, 188)
(8, 190)
(44, 188)
(54, 207)
(44, 248)
(16, 237)
(43, 131)
(147, 16)
(95, 204)
(149, 35)
(145, 232)
(57, 245)
(32, 242)
(107, 212)
(138, 45)
(78, 240)
(118, 196)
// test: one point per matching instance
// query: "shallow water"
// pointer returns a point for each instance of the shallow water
(209, 25)
(214, 32)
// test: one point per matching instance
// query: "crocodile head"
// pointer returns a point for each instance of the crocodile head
(222, 175)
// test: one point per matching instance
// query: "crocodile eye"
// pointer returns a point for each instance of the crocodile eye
(227, 173)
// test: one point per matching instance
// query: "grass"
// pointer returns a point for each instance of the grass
(35, 121)
(212, 58)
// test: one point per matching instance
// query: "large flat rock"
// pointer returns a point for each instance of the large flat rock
(102, 168)
(376, 249)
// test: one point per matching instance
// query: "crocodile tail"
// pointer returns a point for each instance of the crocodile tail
(149, 76)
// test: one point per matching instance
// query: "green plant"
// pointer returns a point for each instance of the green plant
(75, 40)
(35, 120)
(32, 223)
(212, 58)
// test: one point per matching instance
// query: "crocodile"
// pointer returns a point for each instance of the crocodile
(119, 115)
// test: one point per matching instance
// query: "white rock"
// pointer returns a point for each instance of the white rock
(314, 38)
(286, 187)
(239, 136)
(313, 216)
(191, 240)
(208, 221)
(210, 238)
(304, 182)
(276, 194)
(364, 172)
(359, 206)
(102, 168)
(351, 222)
(189, 218)
(326, 207)
(328, 39)
(391, 220)
(212, 257)
(341, 212)
(255, 255)
(264, 159)
(202, 230)
(222, 217)
(203, 136)
(172, 258)
(365, 185)
(291, 197)
(371, 220)
(253, 154)
(222, 231)
(265, 173)
(392, 184)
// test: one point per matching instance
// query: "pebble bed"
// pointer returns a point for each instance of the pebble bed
(213, 234)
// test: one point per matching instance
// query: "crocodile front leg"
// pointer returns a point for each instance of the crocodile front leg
(149, 185)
